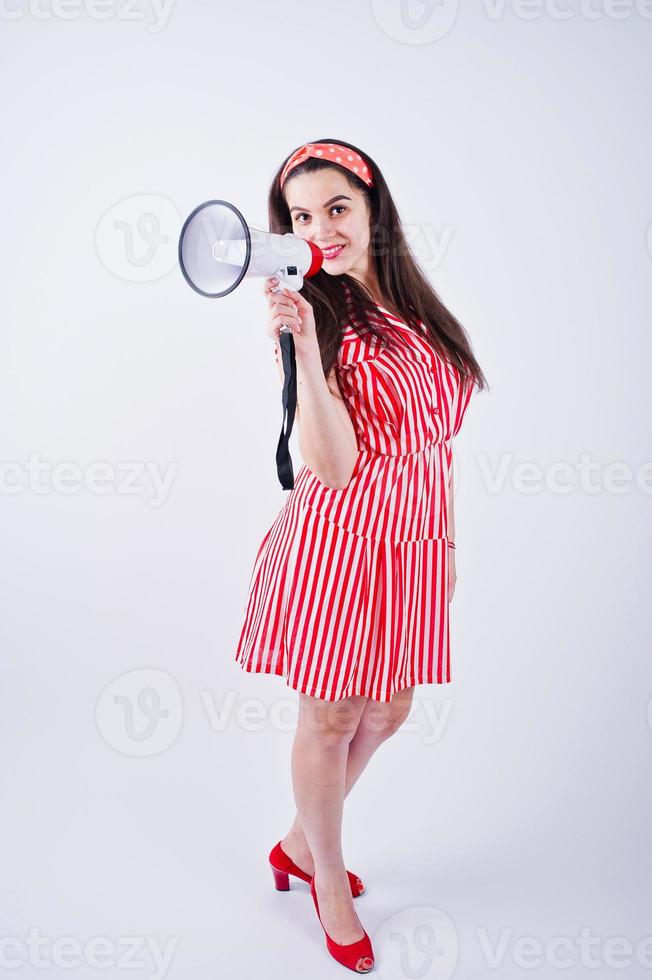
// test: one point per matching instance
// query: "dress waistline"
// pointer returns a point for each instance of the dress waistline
(427, 448)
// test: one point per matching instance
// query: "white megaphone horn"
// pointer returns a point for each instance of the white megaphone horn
(217, 250)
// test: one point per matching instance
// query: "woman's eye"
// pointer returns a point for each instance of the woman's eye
(302, 214)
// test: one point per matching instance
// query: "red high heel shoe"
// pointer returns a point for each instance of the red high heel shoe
(283, 865)
(358, 956)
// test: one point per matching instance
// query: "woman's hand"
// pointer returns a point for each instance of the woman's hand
(289, 307)
(452, 573)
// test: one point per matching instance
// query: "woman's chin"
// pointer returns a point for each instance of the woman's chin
(336, 269)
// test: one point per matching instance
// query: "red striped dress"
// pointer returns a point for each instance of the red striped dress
(348, 593)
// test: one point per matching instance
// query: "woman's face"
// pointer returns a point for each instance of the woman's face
(327, 211)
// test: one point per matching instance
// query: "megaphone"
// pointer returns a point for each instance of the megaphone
(217, 250)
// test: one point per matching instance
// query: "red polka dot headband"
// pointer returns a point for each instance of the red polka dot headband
(334, 153)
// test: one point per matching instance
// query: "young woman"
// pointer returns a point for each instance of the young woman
(348, 598)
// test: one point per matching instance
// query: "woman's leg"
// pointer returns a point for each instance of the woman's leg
(319, 758)
(378, 721)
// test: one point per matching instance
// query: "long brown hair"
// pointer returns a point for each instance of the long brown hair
(337, 300)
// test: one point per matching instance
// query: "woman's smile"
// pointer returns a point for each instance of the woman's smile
(332, 251)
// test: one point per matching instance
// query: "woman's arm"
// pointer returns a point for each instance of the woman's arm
(327, 438)
(452, 571)
(451, 510)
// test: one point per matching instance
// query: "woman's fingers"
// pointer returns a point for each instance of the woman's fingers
(272, 292)
(285, 317)
(282, 321)
(283, 310)
(280, 304)
(285, 306)
(270, 285)
(280, 298)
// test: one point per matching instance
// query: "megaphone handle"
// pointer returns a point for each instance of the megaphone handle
(283, 458)
(284, 328)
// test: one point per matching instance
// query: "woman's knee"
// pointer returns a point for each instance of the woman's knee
(382, 719)
(332, 721)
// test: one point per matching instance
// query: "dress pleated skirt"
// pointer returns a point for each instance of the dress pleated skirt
(338, 614)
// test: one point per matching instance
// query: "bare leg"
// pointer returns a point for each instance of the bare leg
(319, 756)
(377, 722)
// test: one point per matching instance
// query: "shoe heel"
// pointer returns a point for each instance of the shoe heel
(281, 880)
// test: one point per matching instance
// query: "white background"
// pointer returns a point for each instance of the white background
(516, 141)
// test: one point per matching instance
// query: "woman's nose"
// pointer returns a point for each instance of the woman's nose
(322, 229)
